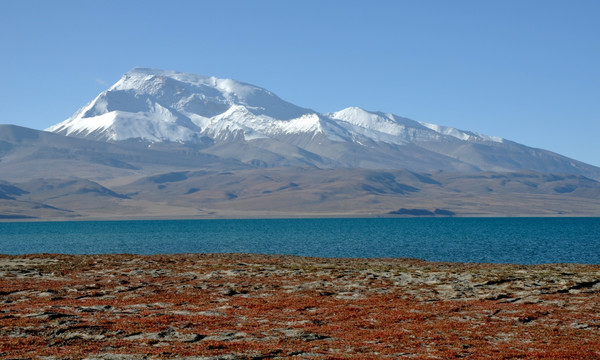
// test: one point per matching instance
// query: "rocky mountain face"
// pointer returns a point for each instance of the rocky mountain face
(163, 144)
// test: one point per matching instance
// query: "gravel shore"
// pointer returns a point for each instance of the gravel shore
(240, 306)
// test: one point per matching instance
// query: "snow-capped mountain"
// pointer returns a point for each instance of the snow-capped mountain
(235, 120)
(159, 105)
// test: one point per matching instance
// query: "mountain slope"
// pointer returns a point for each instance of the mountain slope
(51, 176)
(242, 122)
(293, 191)
(27, 154)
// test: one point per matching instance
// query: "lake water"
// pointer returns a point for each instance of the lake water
(494, 240)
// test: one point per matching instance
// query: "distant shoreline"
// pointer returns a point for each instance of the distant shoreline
(290, 216)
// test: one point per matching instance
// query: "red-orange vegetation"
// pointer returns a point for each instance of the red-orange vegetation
(253, 307)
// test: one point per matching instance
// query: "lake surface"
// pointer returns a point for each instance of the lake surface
(495, 240)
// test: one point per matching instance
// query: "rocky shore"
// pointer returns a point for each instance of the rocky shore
(239, 306)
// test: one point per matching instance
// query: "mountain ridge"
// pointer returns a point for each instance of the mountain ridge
(231, 119)
(191, 101)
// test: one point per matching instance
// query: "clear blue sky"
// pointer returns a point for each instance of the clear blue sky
(525, 70)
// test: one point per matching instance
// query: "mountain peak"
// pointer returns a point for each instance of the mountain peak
(164, 105)
(224, 90)
(168, 106)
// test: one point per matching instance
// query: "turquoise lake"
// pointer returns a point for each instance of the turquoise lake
(493, 240)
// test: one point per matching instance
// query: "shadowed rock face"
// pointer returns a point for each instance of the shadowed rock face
(414, 212)
(422, 212)
(235, 306)
(8, 191)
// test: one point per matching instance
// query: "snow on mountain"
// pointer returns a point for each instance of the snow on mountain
(238, 119)
(160, 105)
(460, 134)
(381, 127)
(205, 96)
